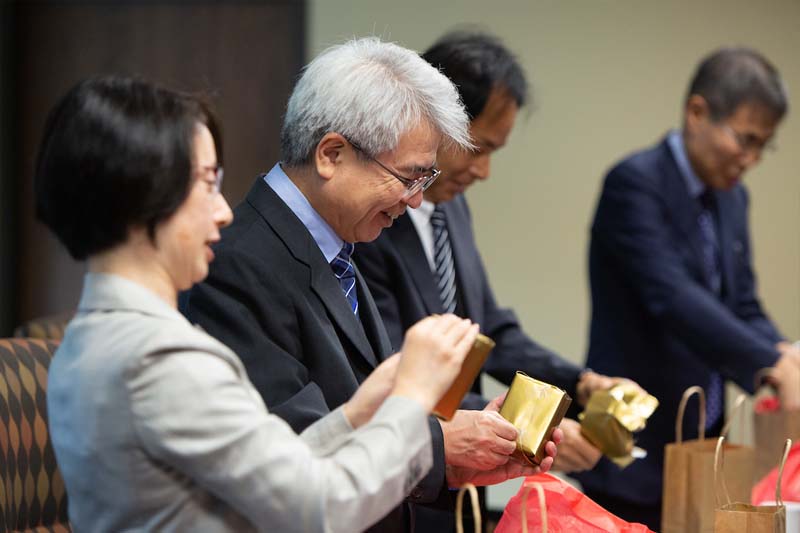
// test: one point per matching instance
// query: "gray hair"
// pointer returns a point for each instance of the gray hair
(730, 77)
(371, 92)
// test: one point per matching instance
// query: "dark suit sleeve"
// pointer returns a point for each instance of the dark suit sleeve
(631, 229)
(253, 317)
(514, 349)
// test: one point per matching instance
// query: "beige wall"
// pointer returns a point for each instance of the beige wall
(608, 78)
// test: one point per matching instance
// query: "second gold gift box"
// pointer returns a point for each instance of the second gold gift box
(535, 408)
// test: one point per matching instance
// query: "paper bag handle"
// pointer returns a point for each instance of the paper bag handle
(719, 478)
(542, 507)
(701, 426)
(476, 511)
(786, 448)
(737, 406)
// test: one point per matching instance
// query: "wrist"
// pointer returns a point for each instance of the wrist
(355, 416)
(583, 388)
(415, 394)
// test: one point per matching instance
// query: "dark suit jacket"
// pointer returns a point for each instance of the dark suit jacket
(272, 298)
(655, 318)
(400, 279)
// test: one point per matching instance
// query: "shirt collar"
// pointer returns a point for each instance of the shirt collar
(103, 292)
(693, 183)
(328, 241)
(422, 214)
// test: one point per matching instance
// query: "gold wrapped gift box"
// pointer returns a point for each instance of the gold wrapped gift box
(470, 369)
(535, 408)
(612, 416)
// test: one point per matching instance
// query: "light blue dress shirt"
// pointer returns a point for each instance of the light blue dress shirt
(328, 241)
(693, 182)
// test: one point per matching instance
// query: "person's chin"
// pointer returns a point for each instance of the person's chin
(730, 181)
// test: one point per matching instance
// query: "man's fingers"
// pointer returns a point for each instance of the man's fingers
(496, 403)
(500, 426)
(550, 449)
(503, 446)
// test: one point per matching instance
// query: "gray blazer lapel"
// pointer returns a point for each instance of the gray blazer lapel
(405, 237)
(307, 253)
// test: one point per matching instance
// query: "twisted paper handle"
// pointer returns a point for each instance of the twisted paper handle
(737, 407)
(786, 448)
(720, 479)
(476, 511)
(542, 507)
(718, 460)
(701, 425)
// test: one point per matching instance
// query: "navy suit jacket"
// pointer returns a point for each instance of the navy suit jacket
(273, 299)
(400, 279)
(655, 318)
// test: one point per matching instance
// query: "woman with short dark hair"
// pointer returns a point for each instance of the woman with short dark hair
(155, 424)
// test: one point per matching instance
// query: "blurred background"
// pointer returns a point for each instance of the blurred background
(607, 77)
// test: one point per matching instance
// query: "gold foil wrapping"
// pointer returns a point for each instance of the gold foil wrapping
(612, 416)
(535, 408)
(470, 369)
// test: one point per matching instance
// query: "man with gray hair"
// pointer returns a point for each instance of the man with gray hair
(674, 300)
(359, 144)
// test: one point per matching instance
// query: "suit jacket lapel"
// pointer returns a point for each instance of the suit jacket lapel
(684, 209)
(371, 319)
(404, 235)
(305, 251)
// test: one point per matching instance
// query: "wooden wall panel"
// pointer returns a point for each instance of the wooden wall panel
(245, 54)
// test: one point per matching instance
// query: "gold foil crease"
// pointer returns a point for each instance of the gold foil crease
(470, 369)
(535, 408)
(612, 416)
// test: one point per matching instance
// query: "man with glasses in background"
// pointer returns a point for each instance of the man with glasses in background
(674, 300)
(359, 143)
(429, 262)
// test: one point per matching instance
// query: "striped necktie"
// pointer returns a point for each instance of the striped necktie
(715, 390)
(443, 261)
(346, 274)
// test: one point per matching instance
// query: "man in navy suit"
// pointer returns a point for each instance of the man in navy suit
(674, 301)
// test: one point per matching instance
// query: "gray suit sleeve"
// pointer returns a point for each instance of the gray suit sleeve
(196, 412)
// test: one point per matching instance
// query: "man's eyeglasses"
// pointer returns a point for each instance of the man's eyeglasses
(413, 185)
(218, 173)
(748, 142)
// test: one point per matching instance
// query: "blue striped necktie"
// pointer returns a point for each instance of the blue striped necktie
(346, 274)
(443, 261)
(715, 391)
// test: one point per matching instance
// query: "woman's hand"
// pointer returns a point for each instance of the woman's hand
(433, 350)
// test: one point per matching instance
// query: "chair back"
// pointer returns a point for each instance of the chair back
(45, 327)
(32, 493)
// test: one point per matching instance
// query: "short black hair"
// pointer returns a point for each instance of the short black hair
(477, 63)
(116, 153)
(730, 77)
